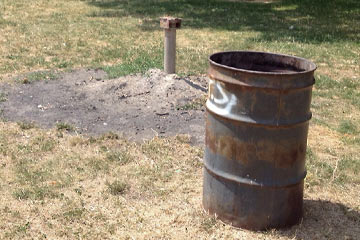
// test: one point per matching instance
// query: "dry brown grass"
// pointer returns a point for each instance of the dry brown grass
(56, 186)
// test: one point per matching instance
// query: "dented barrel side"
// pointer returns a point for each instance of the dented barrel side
(256, 136)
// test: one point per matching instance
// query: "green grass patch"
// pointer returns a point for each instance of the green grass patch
(75, 213)
(43, 144)
(97, 165)
(26, 125)
(35, 193)
(324, 82)
(347, 127)
(61, 126)
(108, 136)
(139, 65)
(319, 172)
(350, 90)
(37, 76)
(18, 230)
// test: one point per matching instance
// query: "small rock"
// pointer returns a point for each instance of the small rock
(162, 113)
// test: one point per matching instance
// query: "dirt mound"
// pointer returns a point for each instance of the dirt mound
(137, 106)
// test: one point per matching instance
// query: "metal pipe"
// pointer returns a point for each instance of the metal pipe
(170, 50)
(170, 25)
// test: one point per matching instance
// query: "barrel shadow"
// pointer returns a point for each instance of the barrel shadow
(325, 220)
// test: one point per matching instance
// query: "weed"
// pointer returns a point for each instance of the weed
(27, 175)
(195, 104)
(75, 213)
(26, 125)
(351, 164)
(347, 170)
(112, 228)
(78, 191)
(92, 140)
(119, 157)
(353, 140)
(103, 148)
(24, 148)
(350, 90)
(35, 193)
(109, 135)
(64, 126)
(64, 64)
(37, 76)
(208, 223)
(347, 127)
(310, 155)
(117, 187)
(22, 194)
(325, 82)
(76, 141)
(23, 228)
(98, 165)
(19, 230)
(3, 97)
(183, 138)
(44, 144)
(318, 171)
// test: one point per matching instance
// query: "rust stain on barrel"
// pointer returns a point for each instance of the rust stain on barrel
(228, 146)
(258, 110)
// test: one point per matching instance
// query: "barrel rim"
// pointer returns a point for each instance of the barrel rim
(313, 66)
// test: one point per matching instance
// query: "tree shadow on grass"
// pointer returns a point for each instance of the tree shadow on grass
(326, 220)
(300, 20)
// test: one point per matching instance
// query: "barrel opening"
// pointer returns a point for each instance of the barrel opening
(262, 62)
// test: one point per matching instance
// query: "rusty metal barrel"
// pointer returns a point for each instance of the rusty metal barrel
(257, 119)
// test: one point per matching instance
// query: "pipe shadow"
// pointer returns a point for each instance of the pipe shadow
(300, 20)
(325, 220)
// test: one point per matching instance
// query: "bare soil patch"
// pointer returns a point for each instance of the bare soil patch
(137, 106)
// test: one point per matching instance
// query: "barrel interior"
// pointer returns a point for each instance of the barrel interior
(262, 62)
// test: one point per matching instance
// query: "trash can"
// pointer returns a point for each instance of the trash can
(257, 119)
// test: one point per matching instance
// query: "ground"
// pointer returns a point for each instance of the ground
(139, 107)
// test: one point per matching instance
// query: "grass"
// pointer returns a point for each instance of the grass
(3, 97)
(162, 182)
(52, 37)
(117, 187)
(89, 183)
(194, 104)
(64, 126)
(347, 127)
(36, 76)
(60, 186)
(121, 157)
(26, 125)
